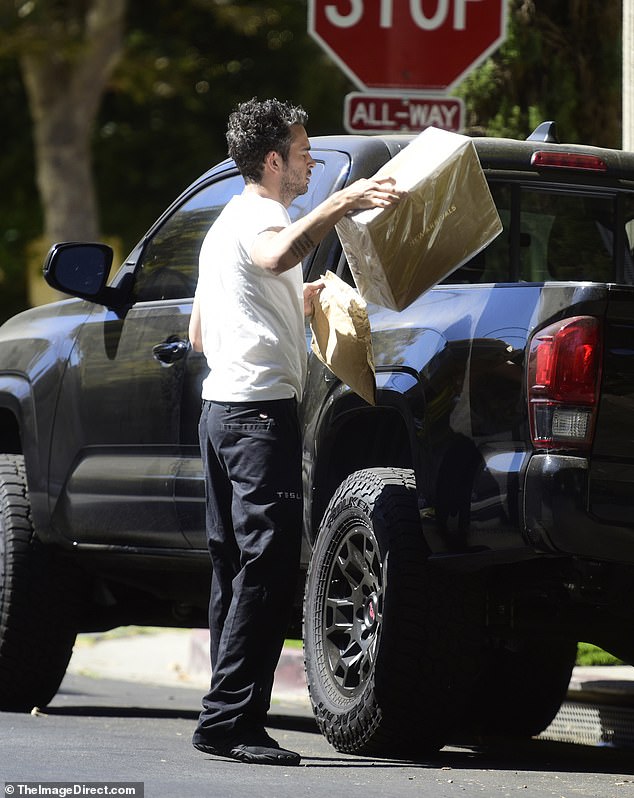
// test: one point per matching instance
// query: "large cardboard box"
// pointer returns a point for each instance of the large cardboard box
(448, 216)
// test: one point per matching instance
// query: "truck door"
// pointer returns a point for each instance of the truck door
(123, 420)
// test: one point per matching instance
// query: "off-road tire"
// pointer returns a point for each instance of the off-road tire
(37, 601)
(386, 636)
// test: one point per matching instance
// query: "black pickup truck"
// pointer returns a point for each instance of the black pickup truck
(460, 537)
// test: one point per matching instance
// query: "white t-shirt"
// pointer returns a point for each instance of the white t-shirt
(252, 320)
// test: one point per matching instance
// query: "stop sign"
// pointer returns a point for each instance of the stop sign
(407, 44)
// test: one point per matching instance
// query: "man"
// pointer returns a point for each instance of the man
(248, 318)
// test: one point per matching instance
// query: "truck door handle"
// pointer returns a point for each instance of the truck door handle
(168, 352)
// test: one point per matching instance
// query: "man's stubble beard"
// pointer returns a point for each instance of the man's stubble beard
(290, 189)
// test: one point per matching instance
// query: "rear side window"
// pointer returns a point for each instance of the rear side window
(566, 237)
(556, 234)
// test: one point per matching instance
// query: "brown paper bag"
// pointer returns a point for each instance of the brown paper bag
(395, 254)
(342, 338)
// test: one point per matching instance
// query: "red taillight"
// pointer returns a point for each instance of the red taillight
(564, 369)
(567, 160)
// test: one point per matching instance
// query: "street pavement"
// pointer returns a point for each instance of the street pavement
(100, 730)
(126, 710)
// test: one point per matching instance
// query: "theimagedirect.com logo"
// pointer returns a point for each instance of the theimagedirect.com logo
(66, 789)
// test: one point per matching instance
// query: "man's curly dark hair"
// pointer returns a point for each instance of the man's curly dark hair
(259, 127)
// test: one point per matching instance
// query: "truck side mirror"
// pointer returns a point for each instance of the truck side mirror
(79, 269)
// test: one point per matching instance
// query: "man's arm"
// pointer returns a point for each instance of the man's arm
(195, 330)
(280, 250)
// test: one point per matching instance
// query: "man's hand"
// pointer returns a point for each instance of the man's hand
(368, 193)
(311, 292)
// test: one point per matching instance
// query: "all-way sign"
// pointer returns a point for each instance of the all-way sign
(390, 113)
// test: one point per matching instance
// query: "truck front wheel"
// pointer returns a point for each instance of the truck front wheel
(37, 601)
(385, 635)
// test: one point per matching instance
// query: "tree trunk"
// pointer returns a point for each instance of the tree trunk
(64, 88)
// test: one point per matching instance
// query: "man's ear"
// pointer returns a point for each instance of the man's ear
(273, 160)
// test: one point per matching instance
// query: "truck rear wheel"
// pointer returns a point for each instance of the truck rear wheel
(37, 629)
(385, 635)
(522, 686)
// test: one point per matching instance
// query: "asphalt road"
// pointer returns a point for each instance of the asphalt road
(99, 730)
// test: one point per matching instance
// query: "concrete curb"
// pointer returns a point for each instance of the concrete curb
(181, 656)
(607, 682)
(173, 657)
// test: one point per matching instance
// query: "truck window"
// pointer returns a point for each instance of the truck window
(168, 268)
(169, 265)
(566, 237)
(559, 235)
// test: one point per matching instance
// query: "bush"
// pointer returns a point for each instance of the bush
(587, 654)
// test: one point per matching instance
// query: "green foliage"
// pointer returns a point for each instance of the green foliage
(561, 61)
(588, 654)
(34, 24)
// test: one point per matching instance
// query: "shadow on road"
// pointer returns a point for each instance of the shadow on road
(535, 756)
(85, 697)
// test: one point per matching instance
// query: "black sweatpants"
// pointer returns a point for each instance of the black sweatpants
(251, 455)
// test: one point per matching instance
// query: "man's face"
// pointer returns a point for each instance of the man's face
(297, 168)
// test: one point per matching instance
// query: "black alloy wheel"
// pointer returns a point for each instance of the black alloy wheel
(353, 608)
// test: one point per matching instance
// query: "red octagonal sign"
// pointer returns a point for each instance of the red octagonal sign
(407, 44)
